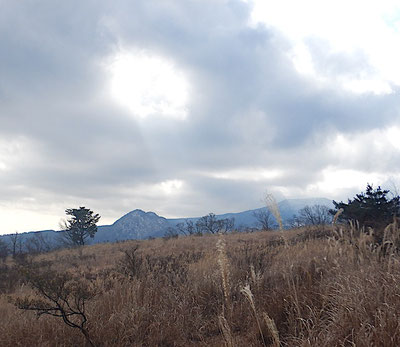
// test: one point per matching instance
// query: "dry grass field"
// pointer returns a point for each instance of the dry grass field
(303, 287)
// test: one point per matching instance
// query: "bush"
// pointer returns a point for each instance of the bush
(372, 209)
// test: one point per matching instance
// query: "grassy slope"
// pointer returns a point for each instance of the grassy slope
(189, 292)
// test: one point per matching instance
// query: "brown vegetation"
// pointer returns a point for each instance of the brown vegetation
(321, 287)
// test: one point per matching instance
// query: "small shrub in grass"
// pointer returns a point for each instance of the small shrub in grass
(59, 295)
(9, 278)
(132, 263)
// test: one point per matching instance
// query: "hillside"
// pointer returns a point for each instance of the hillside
(296, 288)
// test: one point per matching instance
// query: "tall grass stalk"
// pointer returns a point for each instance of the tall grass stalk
(337, 215)
(270, 324)
(273, 207)
(224, 269)
(249, 296)
(223, 263)
(226, 331)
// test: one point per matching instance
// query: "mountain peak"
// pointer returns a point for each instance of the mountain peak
(138, 216)
(137, 212)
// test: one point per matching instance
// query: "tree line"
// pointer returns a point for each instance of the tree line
(372, 209)
(76, 230)
(208, 224)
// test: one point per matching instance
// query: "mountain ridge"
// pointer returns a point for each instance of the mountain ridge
(139, 224)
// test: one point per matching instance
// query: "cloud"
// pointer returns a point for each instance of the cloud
(269, 106)
(351, 45)
(149, 85)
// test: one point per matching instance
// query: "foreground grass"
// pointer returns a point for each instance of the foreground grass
(255, 289)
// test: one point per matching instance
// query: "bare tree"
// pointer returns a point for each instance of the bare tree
(190, 227)
(228, 224)
(210, 224)
(3, 250)
(186, 228)
(265, 219)
(38, 243)
(181, 228)
(58, 295)
(16, 244)
(171, 233)
(198, 228)
(314, 215)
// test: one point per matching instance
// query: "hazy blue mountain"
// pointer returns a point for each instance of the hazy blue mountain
(33, 241)
(289, 207)
(246, 219)
(138, 224)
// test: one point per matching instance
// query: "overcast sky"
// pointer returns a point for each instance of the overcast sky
(190, 107)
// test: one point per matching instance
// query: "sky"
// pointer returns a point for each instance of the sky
(190, 107)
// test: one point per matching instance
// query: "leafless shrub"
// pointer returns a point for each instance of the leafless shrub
(132, 263)
(59, 295)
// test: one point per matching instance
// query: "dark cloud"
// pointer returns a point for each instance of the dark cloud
(248, 108)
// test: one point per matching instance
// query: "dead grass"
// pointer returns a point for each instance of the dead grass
(321, 287)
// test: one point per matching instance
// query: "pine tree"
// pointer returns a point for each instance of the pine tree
(371, 209)
(80, 226)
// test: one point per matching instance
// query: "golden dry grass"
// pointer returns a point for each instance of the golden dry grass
(321, 287)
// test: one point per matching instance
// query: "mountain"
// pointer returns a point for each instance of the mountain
(290, 207)
(136, 224)
(141, 225)
(246, 219)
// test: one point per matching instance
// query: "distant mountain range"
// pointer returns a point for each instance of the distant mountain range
(141, 225)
